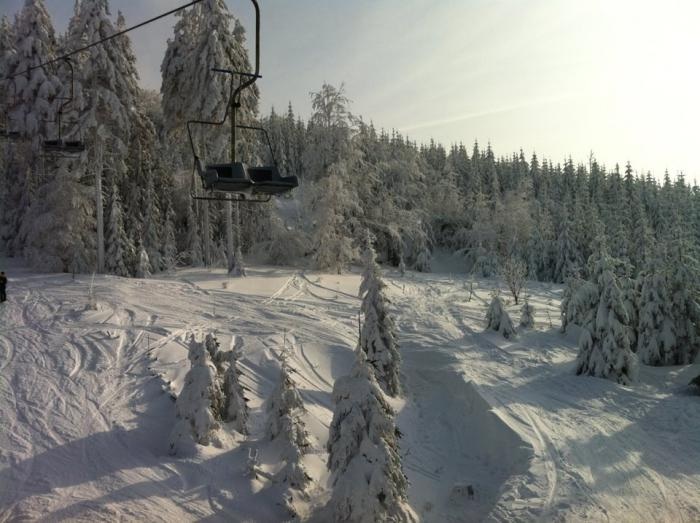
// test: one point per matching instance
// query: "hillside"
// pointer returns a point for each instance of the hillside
(86, 402)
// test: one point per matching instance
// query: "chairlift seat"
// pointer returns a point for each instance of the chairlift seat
(267, 180)
(61, 146)
(53, 145)
(74, 146)
(13, 135)
(225, 177)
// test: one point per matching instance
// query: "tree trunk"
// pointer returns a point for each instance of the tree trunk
(99, 210)
(206, 234)
(230, 254)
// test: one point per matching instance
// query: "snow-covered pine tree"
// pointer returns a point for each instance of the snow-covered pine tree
(498, 319)
(199, 405)
(144, 268)
(527, 314)
(656, 338)
(169, 246)
(117, 240)
(35, 91)
(683, 292)
(52, 244)
(194, 241)
(8, 54)
(378, 331)
(630, 298)
(568, 257)
(236, 408)
(206, 37)
(29, 103)
(218, 357)
(332, 239)
(152, 226)
(580, 308)
(367, 476)
(285, 424)
(604, 350)
(109, 88)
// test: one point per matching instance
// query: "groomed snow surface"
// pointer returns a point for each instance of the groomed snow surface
(493, 429)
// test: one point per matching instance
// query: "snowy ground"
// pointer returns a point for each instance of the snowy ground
(86, 403)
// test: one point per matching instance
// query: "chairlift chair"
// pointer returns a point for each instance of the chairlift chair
(244, 183)
(60, 146)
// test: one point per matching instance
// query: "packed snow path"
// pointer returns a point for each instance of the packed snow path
(491, 429)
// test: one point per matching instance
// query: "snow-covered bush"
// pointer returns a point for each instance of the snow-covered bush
(527, 314)
(199, 405)
(695, 382)
(485, 263)
(368, 480)
(498, 319)
(378, 332)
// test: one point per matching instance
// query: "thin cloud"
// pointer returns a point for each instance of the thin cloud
(487, 112)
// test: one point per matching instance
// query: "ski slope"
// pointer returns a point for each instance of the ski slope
(492, 429)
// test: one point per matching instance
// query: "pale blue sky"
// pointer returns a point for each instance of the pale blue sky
(560, 77)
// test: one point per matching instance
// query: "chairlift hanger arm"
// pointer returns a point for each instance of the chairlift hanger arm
(68, 100)
(205, 122)
(232, 72)
(267, 138)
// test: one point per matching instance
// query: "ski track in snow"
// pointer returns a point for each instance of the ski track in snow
(86, 410)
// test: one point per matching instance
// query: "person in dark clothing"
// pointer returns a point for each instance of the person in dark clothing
(3, 285)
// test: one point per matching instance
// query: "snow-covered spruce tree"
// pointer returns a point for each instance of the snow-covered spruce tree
(143, 269)
(29, 101)
(35, 91)
(568, 257)
(58, 228)
(332, 239)
(683, 291)
(206, 37)
(117, 240)
(8, 54)
(367, 476)
(199, 405)
(194, 241)
(579, 304)
(604, 350)
(630, 298)
(656, 338)
(378, 331)
(527, 314)
(169, 246)
(498, 319)
(218, 357)
(285, 424)
(236, 408)
(109, 89)
(151, 226)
